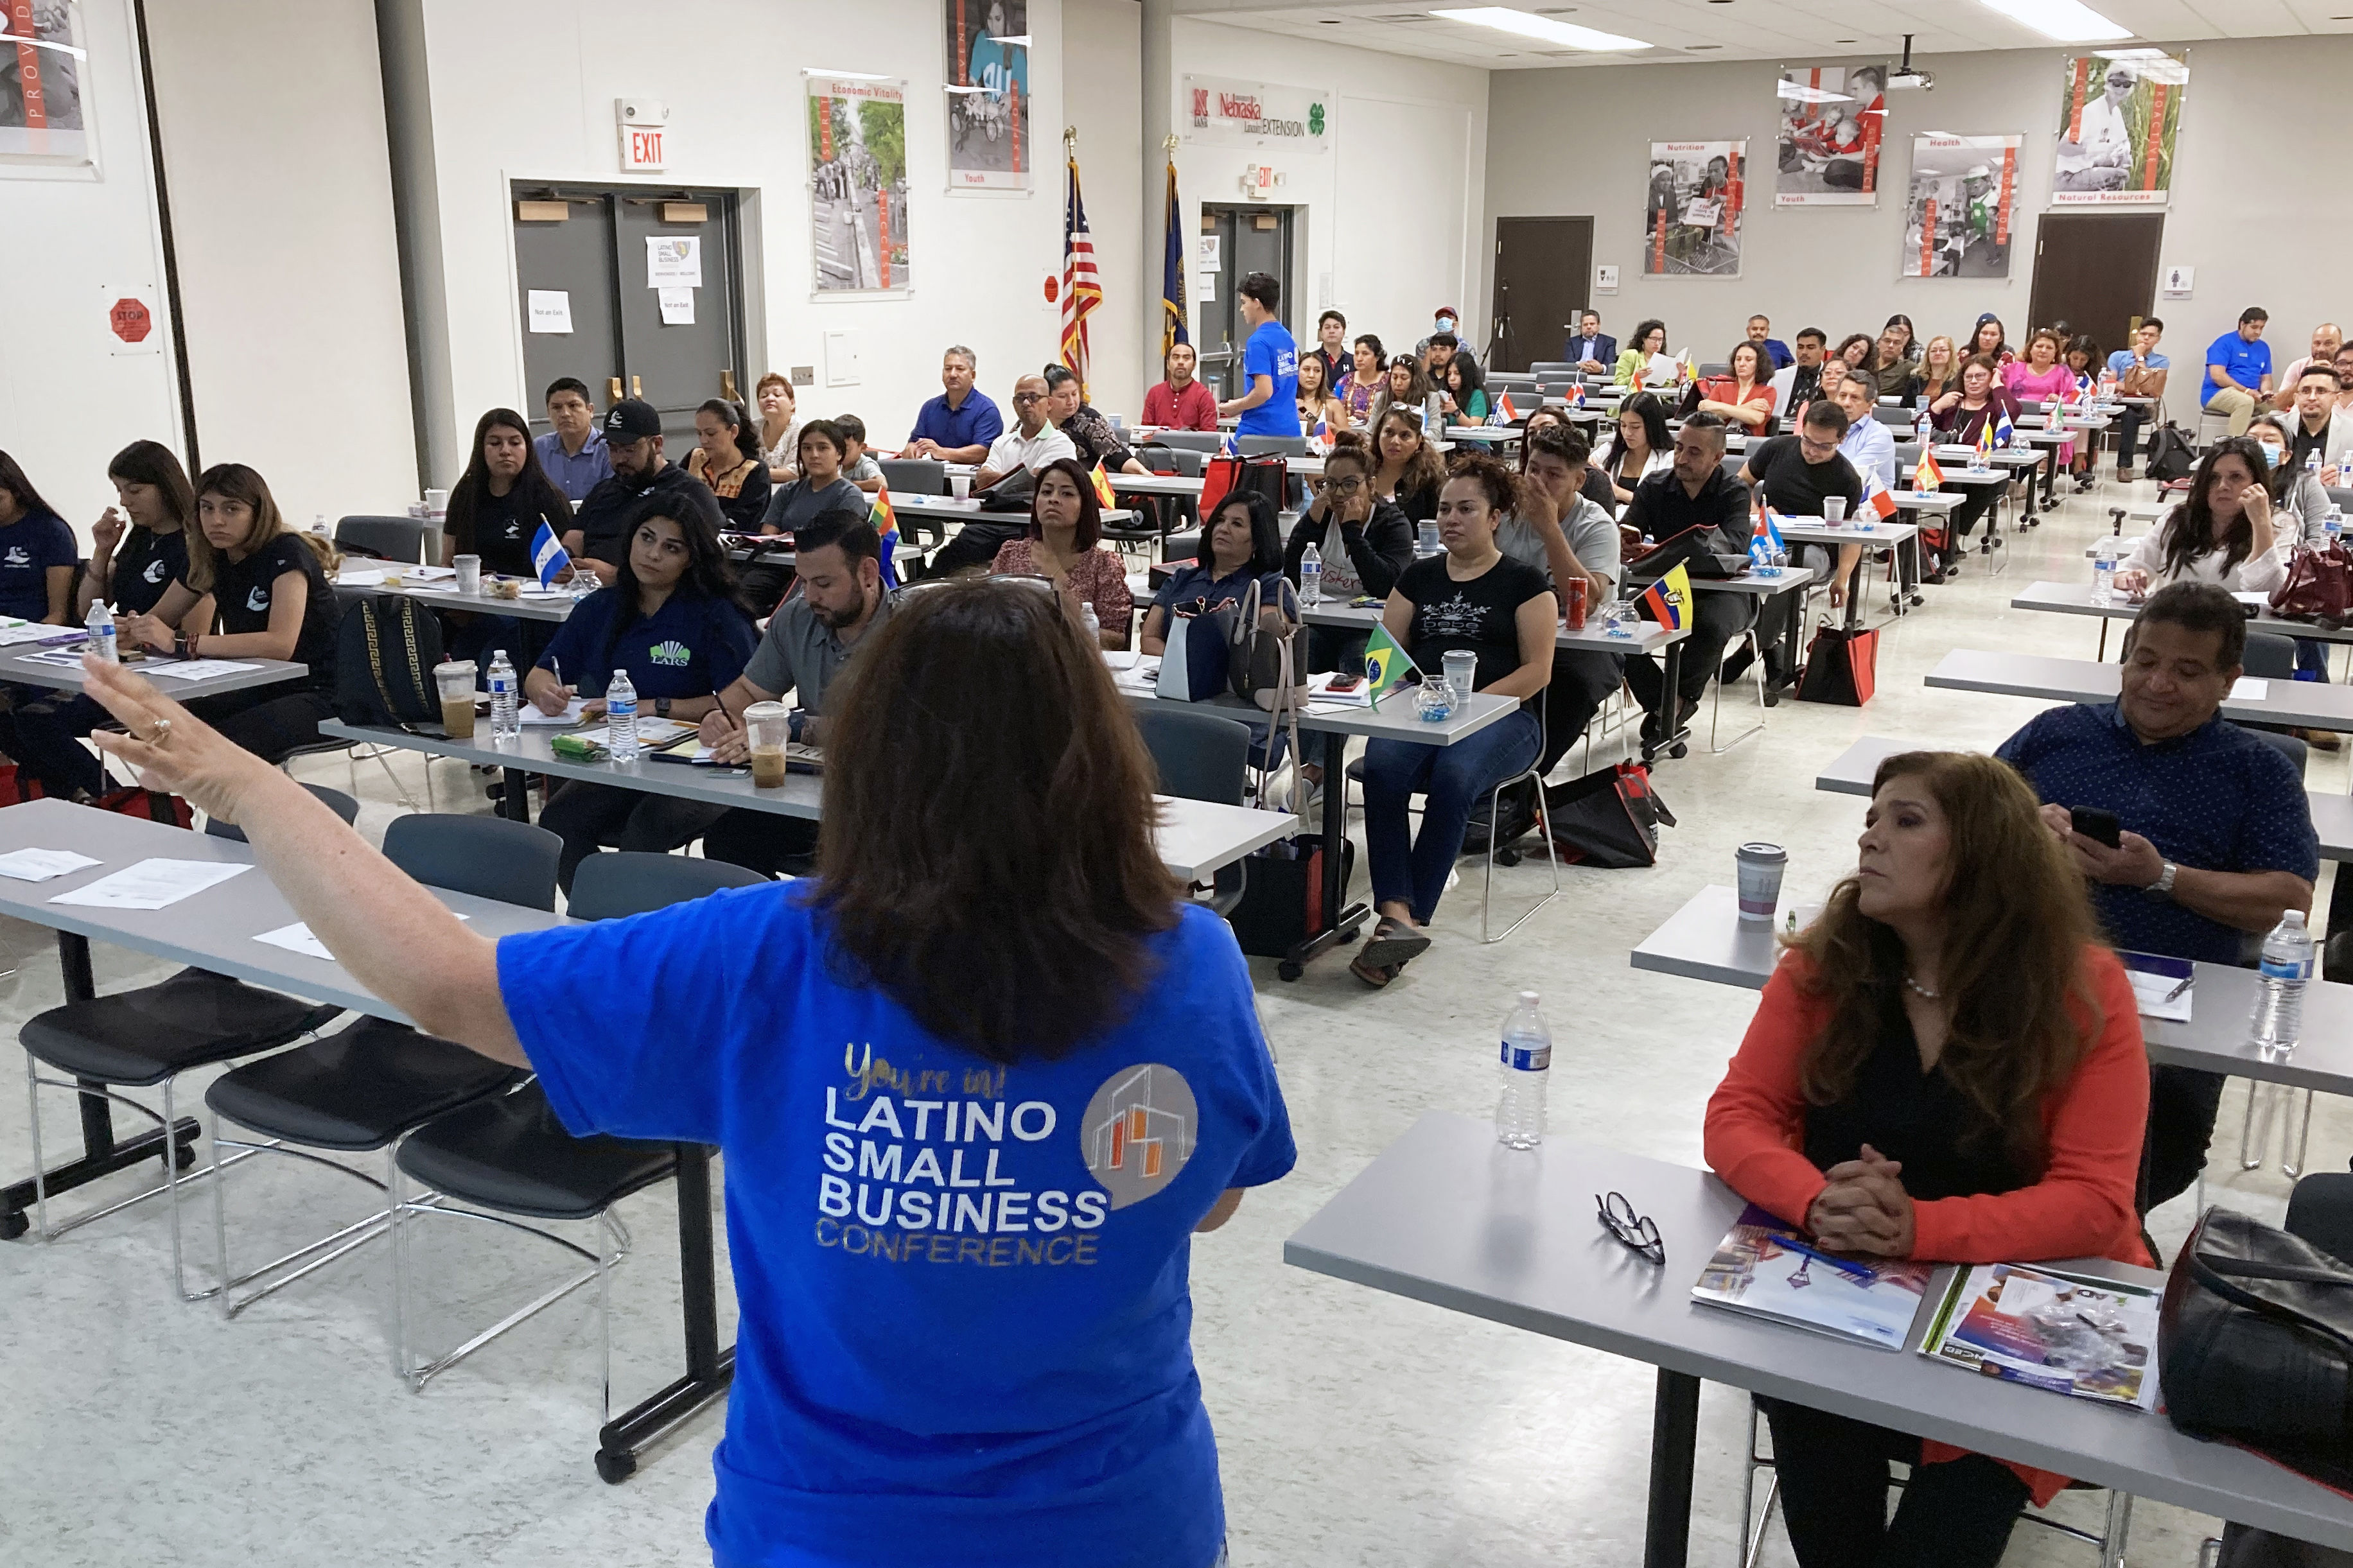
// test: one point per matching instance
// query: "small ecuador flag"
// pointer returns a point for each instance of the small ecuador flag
(1669, 600)
(1926, 475)
(1385, 664)
(886, 528)
(1103, 485)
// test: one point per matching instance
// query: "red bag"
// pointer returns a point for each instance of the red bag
(1842, 667)
(17, 785)
(2319, 587)
(1226, 473)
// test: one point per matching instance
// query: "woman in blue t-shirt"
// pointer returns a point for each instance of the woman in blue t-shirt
(671, 619)
(37, 554)
(978, 1083)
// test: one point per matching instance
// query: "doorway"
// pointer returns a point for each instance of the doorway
(2096, 271)
(1250, 239)
(1543, 267)
(590, 308)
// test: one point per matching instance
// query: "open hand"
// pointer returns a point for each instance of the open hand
(173, 751)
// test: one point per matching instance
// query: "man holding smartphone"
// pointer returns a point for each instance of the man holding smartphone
(2212, 833)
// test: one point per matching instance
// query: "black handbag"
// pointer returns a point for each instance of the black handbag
(2255, 1343)
(385, 647)
(1283, 898)
(1608, 818)
(1842, 667)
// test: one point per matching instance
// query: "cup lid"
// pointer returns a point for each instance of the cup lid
(451, 667)
(1761, 851)
(767, 711)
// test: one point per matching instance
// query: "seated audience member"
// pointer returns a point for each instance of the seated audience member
(1405, 387)
(1776, 353)
(1633, 370)
(1962, 417)
(1856, 351)
(1641, 448)
(1946, 1065)
(1178, 402)
(138, 550)
(2345, 381)
(2084, 363)
(2221, 533)
(2238, 380)
(858, 464)
(2299, 499)
(1463, 391)
(573, 454)
(1592, 351)
(2140, 372)
(1070, 413)
(1940, 371)
(2313, 424)
(498, 502)
(1269, 364)
(1744, 398)
(1473, 597)
(2327, 339)
(726, 458)
(1319, 401)
(1868, 444)
(1692, 505)
(1794, 475)
(600, 529)
(1889, 372)
(1064, 545)
(808, 640)
(1806, 383)
(1365, 541)
(1897, 329)
(1990, 339)
(819, 489)
(1409, 472)
(1028, 447)
(1598, 488)
(1556, 528)
(671, 619)
(1445, 323)
(1361, 382)
(2216, 840)
(40, 561)
(1238, 547)
(1330, 346)
(273, 601)
(780, 428)
(961, 424)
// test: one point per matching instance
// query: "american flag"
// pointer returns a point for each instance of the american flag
(1081, 284)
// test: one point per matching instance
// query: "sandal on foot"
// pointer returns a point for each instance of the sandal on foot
(1376, 975)
(1391, 946)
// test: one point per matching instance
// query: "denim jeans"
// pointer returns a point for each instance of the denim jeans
(1453, 779)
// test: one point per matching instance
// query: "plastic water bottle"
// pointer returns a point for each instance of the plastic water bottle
(2286, 968)
(2312, 462)
(2331, 524)
(506, 718)
(2104, 572)
(1093, 622)
(1526, 1066)
(1311, 576)
(621, 719)
(1426, 545)
(101, 627)
(1924, 429)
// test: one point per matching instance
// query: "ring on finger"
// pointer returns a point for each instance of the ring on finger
(161, 733)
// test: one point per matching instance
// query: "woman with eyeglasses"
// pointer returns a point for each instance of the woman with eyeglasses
(1946, 1065)
(1365, 541)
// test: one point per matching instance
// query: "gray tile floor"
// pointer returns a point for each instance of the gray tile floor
(1355, 1428)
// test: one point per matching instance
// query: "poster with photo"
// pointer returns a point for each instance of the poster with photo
(857, 183)
(1962, 205)
(990, 146)
(1691, 219)
(2118, 116)
(1832, 119)
(41, 63)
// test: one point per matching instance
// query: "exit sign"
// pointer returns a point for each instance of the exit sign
(641, 147)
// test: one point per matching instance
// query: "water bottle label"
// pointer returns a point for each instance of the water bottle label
(2283, 969)
(1527, 1058)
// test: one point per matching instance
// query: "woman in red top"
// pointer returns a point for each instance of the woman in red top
(1946, 1066)
(1744, 396)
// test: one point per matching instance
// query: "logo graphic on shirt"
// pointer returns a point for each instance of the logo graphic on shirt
(258, 600)
(1138, 1130)
(1456, 617)
(155, 573)
(16, 557)
(673, 653)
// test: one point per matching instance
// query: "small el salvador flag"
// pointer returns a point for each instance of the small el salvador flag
(547, 554)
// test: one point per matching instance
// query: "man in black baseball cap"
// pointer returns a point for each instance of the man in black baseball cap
(633, 439)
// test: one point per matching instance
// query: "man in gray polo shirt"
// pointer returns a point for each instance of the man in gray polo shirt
(809, 639)
(1562, 533)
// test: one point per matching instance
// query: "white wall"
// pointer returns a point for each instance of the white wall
(1101, 49)
(2242, 212)
(1389, 213)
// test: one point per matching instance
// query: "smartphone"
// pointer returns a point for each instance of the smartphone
(2094, 824)
(1342, 684)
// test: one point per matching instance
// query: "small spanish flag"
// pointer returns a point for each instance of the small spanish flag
(1385, 664)
(1926, 475)
(886, 528)
(1669, 600)
(1103, 485)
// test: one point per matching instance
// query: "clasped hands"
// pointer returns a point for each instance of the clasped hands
(1865, 1209)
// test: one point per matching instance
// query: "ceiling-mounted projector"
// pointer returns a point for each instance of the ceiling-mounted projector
(1908, 75)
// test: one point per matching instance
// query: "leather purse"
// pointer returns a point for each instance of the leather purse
(2319, 587)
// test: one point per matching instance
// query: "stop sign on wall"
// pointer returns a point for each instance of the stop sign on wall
(133, 320)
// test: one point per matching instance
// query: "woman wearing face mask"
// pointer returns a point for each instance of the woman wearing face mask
(2224, 533)
(1065, 546)
(2299, 512)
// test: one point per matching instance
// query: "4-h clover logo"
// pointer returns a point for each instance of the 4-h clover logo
(1315, 119)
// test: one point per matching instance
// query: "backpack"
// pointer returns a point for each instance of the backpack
(385, 649)
(2172, 454)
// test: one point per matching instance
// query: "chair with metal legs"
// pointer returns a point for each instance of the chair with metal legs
(1748, 638)
(1499, 854)
(512, 1156)
(144, 1038)
(365, 1088)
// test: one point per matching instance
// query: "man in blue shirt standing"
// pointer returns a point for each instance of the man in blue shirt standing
(2215, 838)
(958, 426)
(574, 453)
(1269, 404)
(2239, 371)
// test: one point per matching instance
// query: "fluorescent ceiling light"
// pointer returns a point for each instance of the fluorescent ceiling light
(2067, 21)
(1504, 20)
(1800, 93)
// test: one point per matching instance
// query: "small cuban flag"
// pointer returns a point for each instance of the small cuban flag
(2002, 432)
(1926, 475)
(1669, 599)
(1765, 540)
(548, 555)
(1103, 485)
(1877, 495)
(1385, 664)
(886, 528)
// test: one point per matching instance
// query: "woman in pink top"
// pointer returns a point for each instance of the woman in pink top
(2034, 380)
(1062, 546)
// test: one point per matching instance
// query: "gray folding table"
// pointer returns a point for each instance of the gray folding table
(2303, 704)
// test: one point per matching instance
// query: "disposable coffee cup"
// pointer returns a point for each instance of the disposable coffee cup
(769, 727)
(1461, 666)
(437, 502)
(1760, 867)
(469, 573)
(455, 681)
(960, 485)
(1834, 510)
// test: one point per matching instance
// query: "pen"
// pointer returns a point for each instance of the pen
(2178, 990)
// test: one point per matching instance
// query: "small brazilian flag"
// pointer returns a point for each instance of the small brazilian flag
(1385, 664)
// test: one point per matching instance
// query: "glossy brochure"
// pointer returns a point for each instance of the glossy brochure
(2070, 1333)
(1772, 1269)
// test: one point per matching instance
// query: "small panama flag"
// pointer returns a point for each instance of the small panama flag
(1323, 427)
(886, 529)
(1385, 664)
(1766, 538)
(2082, 386)
(1504, 413)
(1103, 485)
(1926, 475)
(1669, 599)
(1576, 395)
(1877, 495)
(548, 555)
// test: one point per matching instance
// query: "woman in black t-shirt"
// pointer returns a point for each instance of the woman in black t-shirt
(498, 502)
(1477, 598)
(272, 600)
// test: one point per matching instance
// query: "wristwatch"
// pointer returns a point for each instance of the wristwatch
(662, 707)
(2163, 887)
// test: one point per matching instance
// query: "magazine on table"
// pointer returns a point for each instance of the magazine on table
(2070, 1333)
(1769, 1268)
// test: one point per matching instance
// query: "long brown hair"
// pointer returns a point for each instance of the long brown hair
(231, 481)
(1028, 939)
(538, 494)
(1422, 471)
(2018, 923)
(2190, 527)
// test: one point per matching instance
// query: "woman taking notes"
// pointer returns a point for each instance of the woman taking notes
(1065, 545)
(1946, 1065)
(926, 1376)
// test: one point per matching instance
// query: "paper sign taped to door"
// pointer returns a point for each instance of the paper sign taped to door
(551, 309)
(676, 307)
(673, 261)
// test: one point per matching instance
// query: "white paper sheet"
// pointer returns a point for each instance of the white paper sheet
(54, 659)
(297, 938)
(677, 306)
(151, 884)
(360, 577)
(196, 668)
(551, 309)
(2250, 689)
(40, 865)
(533, 719)
(15, 632)
(428, 573)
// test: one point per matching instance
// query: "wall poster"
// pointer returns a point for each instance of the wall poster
(1691, 220)
(41, 119)
(2118, 116)
(990, 145)
(857, 183)
(1833, 121)
(1962, 208)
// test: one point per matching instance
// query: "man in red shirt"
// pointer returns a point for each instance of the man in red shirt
(1180, 403)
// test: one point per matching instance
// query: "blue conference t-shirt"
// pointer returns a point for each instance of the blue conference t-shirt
(28, 548)
(965, 1332)
(1271, 352)
(692, 647)
(2248, 364)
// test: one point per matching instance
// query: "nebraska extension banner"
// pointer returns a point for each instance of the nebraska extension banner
(2118, 116)
(1691, 217)
(1832, 119)
(1962, 208)
(991, 145)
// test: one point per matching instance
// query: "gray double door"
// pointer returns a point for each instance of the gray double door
(596, 256)
(1250, 239)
